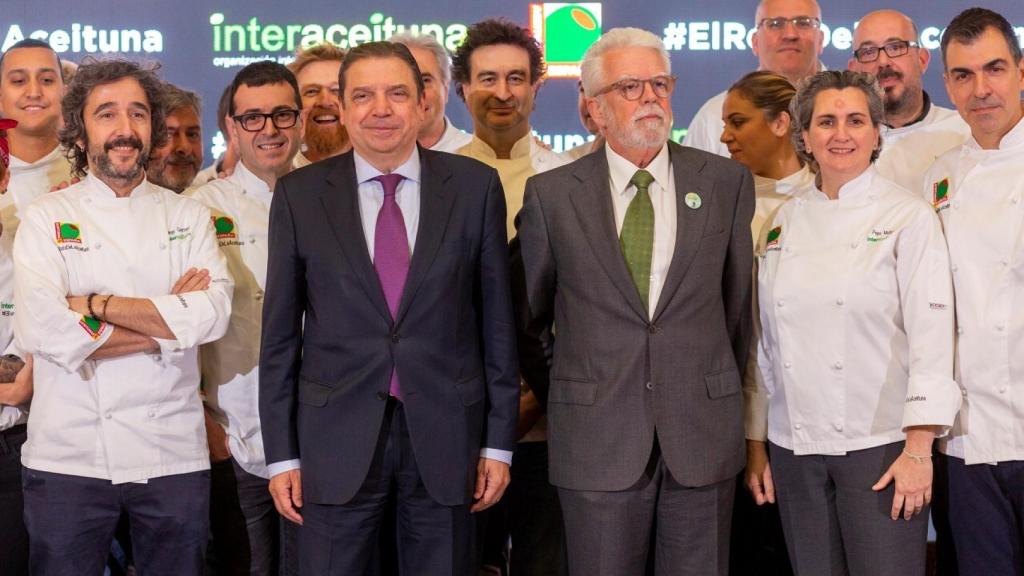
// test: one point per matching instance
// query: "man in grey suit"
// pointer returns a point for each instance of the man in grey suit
(632, 278)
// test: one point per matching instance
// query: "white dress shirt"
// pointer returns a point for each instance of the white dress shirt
(983, 216)
(856, 306)
(908, 151)
(663, 196)
(371, 198)
(136, 416)
(452, 138)
(240, 206)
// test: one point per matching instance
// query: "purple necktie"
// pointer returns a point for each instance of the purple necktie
(391, 254)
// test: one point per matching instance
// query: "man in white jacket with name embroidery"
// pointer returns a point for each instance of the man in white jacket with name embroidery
(119, 281)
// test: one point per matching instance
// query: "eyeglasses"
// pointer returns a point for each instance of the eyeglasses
(256, 121)
(893, 49)
(633, 88)
(801, 23)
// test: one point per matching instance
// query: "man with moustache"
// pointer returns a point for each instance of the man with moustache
(316, 70)
(119, 281)
(916, 131)
(438, 132)
(632, 280)
(387, 366)
(266, 124)
(498, 69)
(787, 40)
(977, 190)
(176, 164)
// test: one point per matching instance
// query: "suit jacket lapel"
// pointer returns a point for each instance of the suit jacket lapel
(341, 204)
(593, 203)
(690, 223)
(436, 202)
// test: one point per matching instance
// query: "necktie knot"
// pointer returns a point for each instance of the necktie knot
(389, 182)
(642, 180)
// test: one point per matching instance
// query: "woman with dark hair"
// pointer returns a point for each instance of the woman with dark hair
(856, 350)
(757, 133)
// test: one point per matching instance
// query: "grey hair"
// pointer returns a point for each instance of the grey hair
(176, 98)
(591, 73)
(801, 108)
(429, 43)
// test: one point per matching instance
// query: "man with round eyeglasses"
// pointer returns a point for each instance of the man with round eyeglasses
(264, 117)
(916, 131)
(788, 41)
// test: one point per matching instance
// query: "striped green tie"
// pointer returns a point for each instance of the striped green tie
(637, 237)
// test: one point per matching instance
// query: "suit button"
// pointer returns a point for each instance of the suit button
(649, 385)
(381, 395)
(653, 329)
(395, 338)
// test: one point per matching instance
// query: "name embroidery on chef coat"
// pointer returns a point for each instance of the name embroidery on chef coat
(940, 194)
(179, 233)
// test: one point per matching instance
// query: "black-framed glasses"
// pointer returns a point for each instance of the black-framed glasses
(633, 88)
(802, 23)
(893, 49)
(256, 121)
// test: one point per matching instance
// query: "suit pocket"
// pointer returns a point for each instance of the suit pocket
(470, 390)
(722, 384)
(572, 392)
(313, 393)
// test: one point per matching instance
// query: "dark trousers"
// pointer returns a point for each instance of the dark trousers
(945, 548)
(432, 539)
(986, 514)
(835, 524)
(71, 522)
(609, 533)
(249, 537)
(13, 535)
(758, 548)
(534, 515)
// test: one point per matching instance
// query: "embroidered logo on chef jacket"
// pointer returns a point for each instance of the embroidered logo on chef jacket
(93, 327)
(773, 239)
(179, 233)
(224, 226)
(940, 194)
(6, 308)
(878, 234)
(67, 233)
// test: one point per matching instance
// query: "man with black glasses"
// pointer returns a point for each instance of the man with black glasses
(264, 121)
(787, 41)
(916, 131)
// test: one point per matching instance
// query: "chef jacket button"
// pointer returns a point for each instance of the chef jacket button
(963, 391)
(649, 385)
(1002, 389)
(956, 204)
(1000, 327)
(108, 415)
(788, 249)
(797, 426)
(1004, 262)
(152, 413)
(780, 303)
(163, 245)
(157, 358)
(838, 426)
(1015, 200)
(252, 239)
(787, 365)
(838, 365)
(381, 395)
(98, 245)
(854, 244)
(156, 198)
(959, 330)
(840, 301)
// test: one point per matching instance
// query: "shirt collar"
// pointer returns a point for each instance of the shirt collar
(622, 170)
(99, 188)
(410, 169)
(521, 149)
(250, 184)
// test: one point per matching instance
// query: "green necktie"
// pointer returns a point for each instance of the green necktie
(637, 237)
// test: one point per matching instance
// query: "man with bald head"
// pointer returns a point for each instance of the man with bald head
(788, 41)
(916, 131)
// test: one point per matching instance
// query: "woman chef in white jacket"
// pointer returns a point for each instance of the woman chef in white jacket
(855, 355)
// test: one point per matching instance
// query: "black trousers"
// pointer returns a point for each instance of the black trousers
(13, 535)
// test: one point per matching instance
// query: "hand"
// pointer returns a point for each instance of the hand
(193, 280)
(19, 392)
(492, 477)
(286, 488)
(216, 439)
(65, 184)
(529, 413)
(758, 475)
(79, 304)
(913, 486)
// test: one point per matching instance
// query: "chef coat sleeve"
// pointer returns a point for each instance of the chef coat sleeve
(202, 316)
(926, 299)
(44, 325)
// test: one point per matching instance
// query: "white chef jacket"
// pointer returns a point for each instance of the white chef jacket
(136, 416)
(28, 182)
(907, 152)
(452, 139)
(983, 216)
(240, 205)
(771, 194)
(856, 305)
